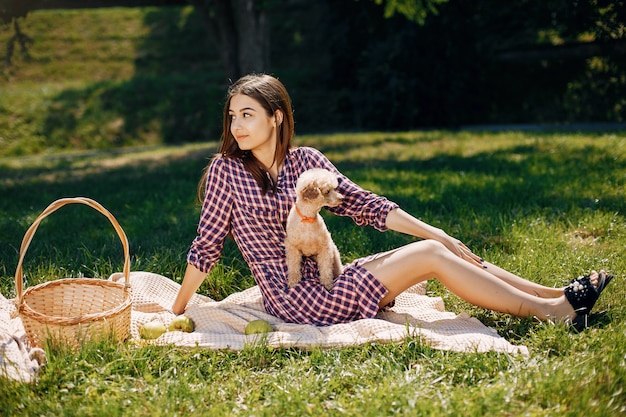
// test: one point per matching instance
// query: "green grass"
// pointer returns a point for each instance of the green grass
(546, 206)
(105, 78)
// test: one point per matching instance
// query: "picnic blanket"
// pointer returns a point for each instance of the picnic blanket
(221, 325)
(17, 360)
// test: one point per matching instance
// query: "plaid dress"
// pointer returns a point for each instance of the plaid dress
(235, 204)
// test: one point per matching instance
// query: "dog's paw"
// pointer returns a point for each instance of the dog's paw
(293, 280)
(327, 283)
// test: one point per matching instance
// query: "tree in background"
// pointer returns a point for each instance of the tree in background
(414, 10)
(10, 13)
(365, 65)
(240, 29)
(481, 61)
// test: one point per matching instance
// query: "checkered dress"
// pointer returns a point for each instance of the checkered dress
(235, 204)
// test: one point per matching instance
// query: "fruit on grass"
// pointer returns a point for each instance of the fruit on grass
(181, 324)
(258, 326)
(151, 330)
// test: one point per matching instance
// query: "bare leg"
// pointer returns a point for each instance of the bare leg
(411, 264)
(522, 284)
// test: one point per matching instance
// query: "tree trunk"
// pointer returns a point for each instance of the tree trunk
(240, 32)
(217, 16)
(21, 39)
(254, 36)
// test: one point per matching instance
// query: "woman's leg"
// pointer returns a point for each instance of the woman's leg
(521, 284)
(400, 269)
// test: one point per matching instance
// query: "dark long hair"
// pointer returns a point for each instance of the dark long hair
(273, 96)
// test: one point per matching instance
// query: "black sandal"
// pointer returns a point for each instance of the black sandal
(582, 295)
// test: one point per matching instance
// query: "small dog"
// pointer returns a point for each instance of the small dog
(307, 234)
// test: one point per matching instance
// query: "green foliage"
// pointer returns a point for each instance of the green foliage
(415, 10)
(547, 206)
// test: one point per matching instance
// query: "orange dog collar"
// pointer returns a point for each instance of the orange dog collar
(303, 218)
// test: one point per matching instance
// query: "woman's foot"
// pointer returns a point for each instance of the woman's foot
(582, 294)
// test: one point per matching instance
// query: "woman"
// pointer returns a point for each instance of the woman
(249, 188)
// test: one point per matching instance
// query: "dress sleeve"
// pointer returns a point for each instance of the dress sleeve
(364, 207)
(214, 223)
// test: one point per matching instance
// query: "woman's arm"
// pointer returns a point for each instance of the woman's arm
(403, 222)
(213, 227)
(191, 282)
(365, 207)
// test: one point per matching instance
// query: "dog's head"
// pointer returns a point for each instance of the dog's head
(318, 186)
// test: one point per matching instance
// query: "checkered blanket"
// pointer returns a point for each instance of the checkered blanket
(221, 324)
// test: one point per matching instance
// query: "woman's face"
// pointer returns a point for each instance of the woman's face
(251, 127)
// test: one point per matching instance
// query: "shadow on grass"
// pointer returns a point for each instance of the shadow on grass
(493, 188)
(175, 95)
(145, 109)
(156, 203)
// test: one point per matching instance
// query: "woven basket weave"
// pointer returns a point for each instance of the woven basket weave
(74, 310)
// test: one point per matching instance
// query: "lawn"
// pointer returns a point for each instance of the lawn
(548, 206)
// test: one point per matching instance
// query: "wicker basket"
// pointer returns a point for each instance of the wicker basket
(74, 310)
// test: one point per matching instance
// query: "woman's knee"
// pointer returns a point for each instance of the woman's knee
(419, 258)
(430, 247)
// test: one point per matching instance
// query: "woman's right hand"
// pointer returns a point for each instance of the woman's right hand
(191, 282)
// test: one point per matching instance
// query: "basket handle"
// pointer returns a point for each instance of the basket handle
(19, 279)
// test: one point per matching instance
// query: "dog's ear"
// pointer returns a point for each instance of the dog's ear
(310, 192)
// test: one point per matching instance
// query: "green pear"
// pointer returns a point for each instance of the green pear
(258, 326)
(151, 330)
(181, 324)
